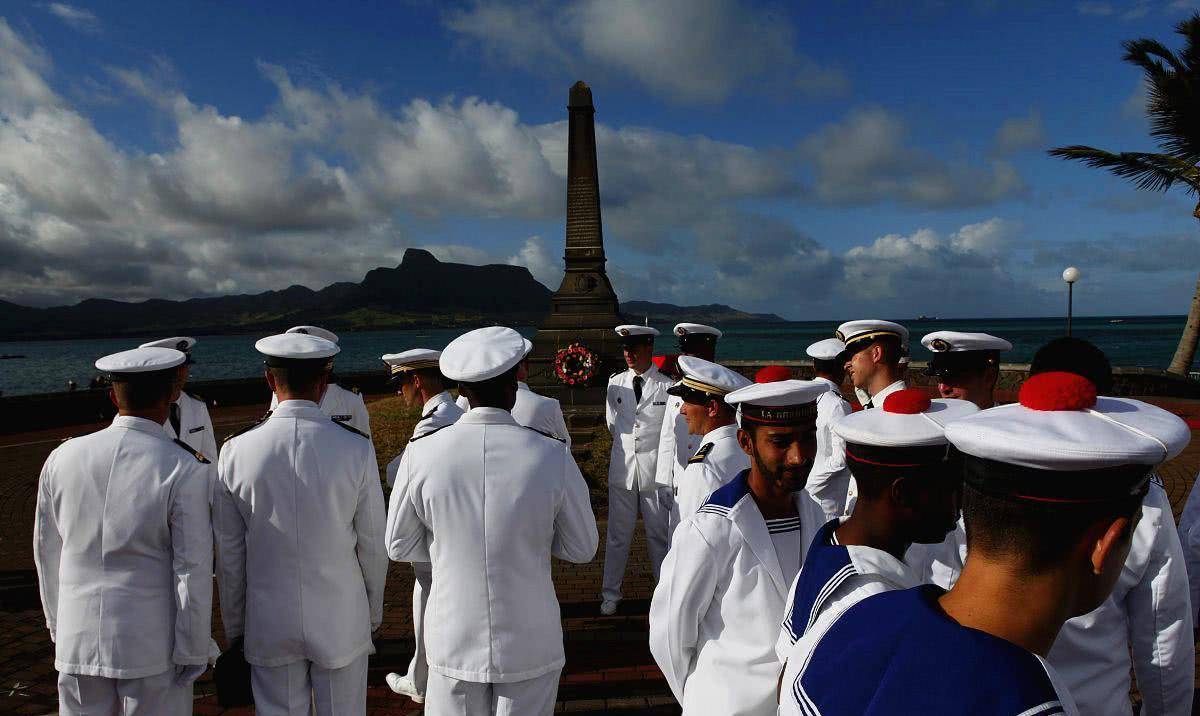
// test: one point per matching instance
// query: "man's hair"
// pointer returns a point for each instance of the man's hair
(1037, 535)
(298, 377)
(1074, 355)
(890, 346)
(145, 391)
(432, 373)
(492, 390)
(827, 366)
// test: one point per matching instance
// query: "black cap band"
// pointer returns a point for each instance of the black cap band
(897, 457)
(784, 415)
(1014, 482)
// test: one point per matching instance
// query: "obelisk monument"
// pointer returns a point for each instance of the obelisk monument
(584, 309)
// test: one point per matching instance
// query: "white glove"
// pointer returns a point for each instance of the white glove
(185, 674)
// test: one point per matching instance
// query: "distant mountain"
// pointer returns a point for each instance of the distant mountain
(420, 292)
(716, 313)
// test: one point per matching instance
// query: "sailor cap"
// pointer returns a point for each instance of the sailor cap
(183, 344)
(826, 349)
(959, 342)
(1062, 443)
(410, 360)
(139, 361)
(907, 418)
(314, 331)
(692, 329)
(853, 333)
(287, 348)
(704, 379)
(772, 374)
(782, 402)
(632, 333)
(483, 354)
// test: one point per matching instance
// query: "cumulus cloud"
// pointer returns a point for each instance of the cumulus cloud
(545, 265)
(865, 159)
(691, 50)
(1020, 133)
(77, 17)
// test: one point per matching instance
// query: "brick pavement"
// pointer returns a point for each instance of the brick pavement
(609, 668)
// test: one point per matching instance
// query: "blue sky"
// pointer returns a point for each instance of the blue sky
(814, 160)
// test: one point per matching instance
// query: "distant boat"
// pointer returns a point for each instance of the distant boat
(10, 357)
(1116, 320)
(923, 317)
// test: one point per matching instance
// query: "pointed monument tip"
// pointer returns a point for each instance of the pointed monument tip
(581, 95)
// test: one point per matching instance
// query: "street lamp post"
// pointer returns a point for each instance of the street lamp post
(1071, 275)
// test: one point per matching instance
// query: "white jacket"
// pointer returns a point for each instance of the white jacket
(196, 427)
(489, 502)
(715, 613)
(635, 427)
(298, 516)
(438, 412)
(675, 444)
(344, 406)
(123, 547)
(718, 461)
(533, 411)
(1148, 611)
(829, 479)
(1189, 537)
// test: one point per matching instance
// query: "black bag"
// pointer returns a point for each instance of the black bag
(232, 677)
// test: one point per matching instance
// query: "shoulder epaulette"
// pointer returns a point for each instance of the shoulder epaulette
(1154, 477)
(195, 397)
(415, 438)
(248, 428)
(702, 453)
(429, 415)
(552, 436)
(354, 390)
(195, 453)
(351, 428)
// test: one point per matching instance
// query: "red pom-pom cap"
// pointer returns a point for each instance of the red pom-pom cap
(1058, 391)
(909, 401)
(772, 374)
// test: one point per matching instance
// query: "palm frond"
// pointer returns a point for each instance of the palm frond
(1151, 172)
(1150, 54)
(1190, 30)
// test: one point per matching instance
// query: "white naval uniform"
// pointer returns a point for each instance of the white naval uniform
(874, 401)
(195, 426)
(1189, 537)
(534, 411)
(122, 543)
(1148, 610)
(437, 413)
(344, 406)
(718, 460)
(715, 612)
(489, 502)
(635, 428)
(834, 578)
(829, 479)
(675, 446)
(298, 517)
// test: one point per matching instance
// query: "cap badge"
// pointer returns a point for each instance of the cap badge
(1058, 391)
(840, 336)
(910, 401)
(623, 332)
(181, 345)
(939, 345)
(680, 331)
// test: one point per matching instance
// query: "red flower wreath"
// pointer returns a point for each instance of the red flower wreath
(575, 365)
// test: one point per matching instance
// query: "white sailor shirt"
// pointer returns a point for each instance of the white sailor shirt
(636, 427)
(717, 461)
(715, 612)
(829, 479)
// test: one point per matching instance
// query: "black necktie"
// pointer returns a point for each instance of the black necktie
(637, 388)
(175, 423)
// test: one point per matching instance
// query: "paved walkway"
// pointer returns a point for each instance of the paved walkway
(609, 669)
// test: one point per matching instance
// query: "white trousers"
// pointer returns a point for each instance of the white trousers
(157, 695)
(623, 508)
(302, 688)
(418, 668)
(448, 696)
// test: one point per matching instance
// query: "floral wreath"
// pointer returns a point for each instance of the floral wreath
(575, 364)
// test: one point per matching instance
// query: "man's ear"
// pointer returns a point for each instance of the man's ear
(901, 492)
(112, 395)
(1107, 542)
(876, 353)
(745, 441)
(713, 408)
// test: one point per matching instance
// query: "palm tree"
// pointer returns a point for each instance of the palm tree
(1173, 106)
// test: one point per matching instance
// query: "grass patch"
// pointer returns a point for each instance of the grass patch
(392, 424)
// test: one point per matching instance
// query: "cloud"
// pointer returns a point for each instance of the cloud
(865, 159)
(77, 17)
(1151, 254)
(545, 266)
(696, 51)
(1123, 11)
(1020, 133)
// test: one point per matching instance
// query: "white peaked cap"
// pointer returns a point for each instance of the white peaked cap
(782, 402)
(314, 331)
(179, 343)
(1061, 425)
(683, 329)
(853, 331)
(413, 359)
(826, 349)
(959, 342)
(141, 360)
(907, 418)
(482, 354)
(296, 346)
(630, 329)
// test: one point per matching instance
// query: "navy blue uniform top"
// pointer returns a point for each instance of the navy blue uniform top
(898, 653)
(826, 566)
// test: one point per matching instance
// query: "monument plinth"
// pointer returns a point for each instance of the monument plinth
(584, 310)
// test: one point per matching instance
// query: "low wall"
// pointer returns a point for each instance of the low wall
(24, 413)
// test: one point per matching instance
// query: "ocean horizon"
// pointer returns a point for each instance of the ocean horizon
(1132, 341)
